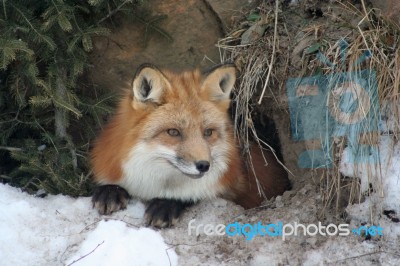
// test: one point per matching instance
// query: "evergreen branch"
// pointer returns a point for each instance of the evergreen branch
(46, 39)
(10, 148)
(6, 177)
(87, 43)
(4, 9)
(49, 41)
(13, 119)
(114, 11)
(16, 89)
(68, 107)
(98, 104)
(64, 23)
(15, 45)
(38, 100)
(76, 23)
(55, 6)
(60, 115)
(72, 44)
(46, 133)
(9, 48)
(97, 31)
(57, 99)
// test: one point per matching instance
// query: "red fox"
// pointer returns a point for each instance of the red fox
(171, 143)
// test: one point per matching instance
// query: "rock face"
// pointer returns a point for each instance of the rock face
(389, 8)
(194, 25)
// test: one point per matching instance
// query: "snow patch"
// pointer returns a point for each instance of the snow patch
(383, 177)
(114, 243)
(58, 230)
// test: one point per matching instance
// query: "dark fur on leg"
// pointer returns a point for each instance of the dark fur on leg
(110, 198)
(163, 213)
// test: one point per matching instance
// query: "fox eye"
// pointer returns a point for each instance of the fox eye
(208, 132)
(173, 132)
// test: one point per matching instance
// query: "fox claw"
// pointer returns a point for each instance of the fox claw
(110, 198)
(164, 213)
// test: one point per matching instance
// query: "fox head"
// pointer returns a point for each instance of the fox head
(183, 127)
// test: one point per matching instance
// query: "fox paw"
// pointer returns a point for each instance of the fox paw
(110, 198)
(163, 213)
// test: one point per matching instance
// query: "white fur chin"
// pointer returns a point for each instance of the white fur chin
(149, 174)
(184, 168)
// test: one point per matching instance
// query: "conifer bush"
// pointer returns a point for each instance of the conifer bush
(48, 114)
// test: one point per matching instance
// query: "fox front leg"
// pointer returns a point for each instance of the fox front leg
(110, 198)
(163, 213)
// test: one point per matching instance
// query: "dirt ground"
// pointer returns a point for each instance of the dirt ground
(296, 206)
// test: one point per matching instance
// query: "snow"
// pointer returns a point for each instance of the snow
(384, 177)
(117, 244)
(60, 230)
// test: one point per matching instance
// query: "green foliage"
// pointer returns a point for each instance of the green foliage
(255, 16)
(48, 113)
(49, 168)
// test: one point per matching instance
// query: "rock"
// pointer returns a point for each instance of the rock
(278, 202)
(195, 27)
(230, 11)
(255, 32)
(390, 9)
(312, 241)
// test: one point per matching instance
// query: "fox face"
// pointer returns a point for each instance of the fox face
(171, 143)
(188, 140)
(183, 135)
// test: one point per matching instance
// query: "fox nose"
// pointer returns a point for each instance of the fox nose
(202, 166)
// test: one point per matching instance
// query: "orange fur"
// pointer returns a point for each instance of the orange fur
(193, 103)
(272, 177)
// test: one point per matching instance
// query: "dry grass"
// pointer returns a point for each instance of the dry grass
(255, 62)
(373, 44)
(375, 47)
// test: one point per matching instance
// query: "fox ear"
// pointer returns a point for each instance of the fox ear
(219, 82)
(149, 85)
